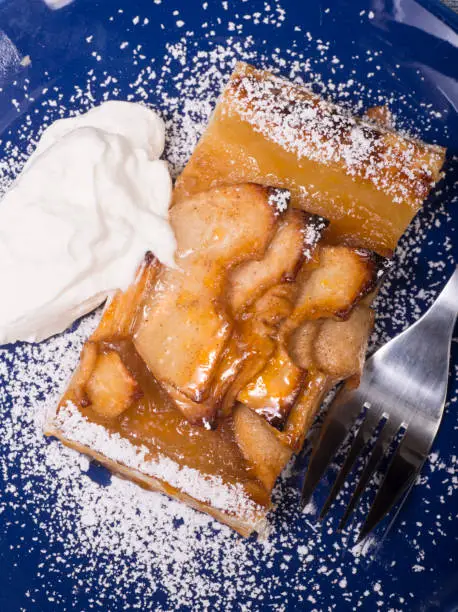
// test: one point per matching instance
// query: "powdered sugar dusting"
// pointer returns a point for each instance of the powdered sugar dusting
(279, 200)
(312, 233)
(313, 128)
(208, 489)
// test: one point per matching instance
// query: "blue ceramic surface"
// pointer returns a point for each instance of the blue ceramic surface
(416, 69)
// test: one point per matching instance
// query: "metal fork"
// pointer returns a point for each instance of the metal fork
(403, 389)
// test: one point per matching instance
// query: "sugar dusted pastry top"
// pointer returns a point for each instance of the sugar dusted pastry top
(367, 179)
(206, 488)
(311, 127)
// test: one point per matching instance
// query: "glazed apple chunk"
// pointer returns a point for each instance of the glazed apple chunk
(335, 347)
(111, 388)
(345, 275)
(273, 392)
(260, 446)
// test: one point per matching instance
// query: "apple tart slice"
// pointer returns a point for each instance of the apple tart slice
(202, 380)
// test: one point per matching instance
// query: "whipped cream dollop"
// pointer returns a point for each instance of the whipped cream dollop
(90, 201)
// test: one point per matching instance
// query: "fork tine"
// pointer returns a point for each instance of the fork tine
(404, 467)
(365, 431)
(322, 454)
(334, 430)
(386, 435)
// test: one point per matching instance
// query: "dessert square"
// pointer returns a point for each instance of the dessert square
(202, 381)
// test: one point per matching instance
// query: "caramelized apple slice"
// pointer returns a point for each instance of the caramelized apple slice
(301, 345)
(304, 410)
(344, 276)
(273, 392)
(204, 413)
(227, 370)
(111, 388)
(295, 241)
(197, 413)
(340, 346)
(184, 328)
(182, 336)
(253, 361)
(274, 307)
(255, 335)
(227, 226)
(259, 445)
(76, 391)
(121, 312)
(334, 347)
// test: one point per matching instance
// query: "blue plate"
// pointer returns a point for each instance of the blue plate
(72, 537)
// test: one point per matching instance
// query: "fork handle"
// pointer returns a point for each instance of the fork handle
(444, 310)
(448, 297)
